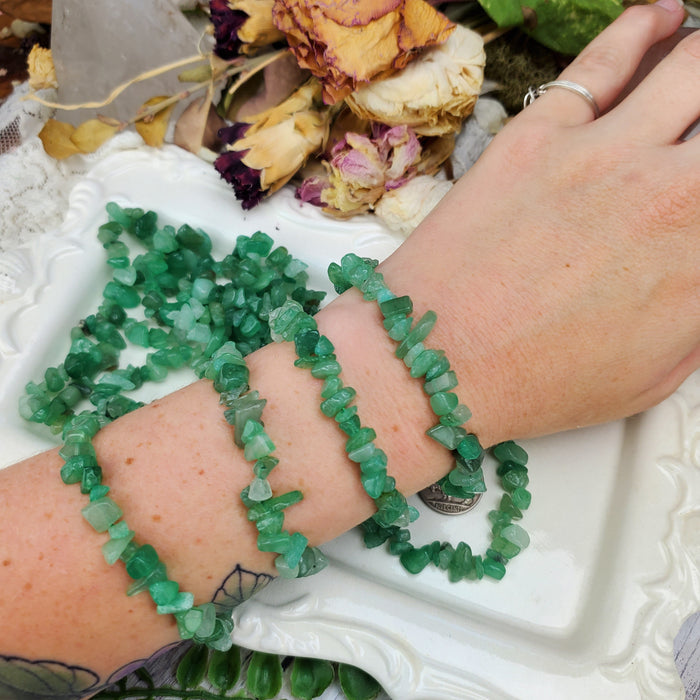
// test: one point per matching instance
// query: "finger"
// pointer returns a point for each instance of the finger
(606, 65)
(669, 97)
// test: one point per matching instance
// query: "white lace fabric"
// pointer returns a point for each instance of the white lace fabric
(34, 188)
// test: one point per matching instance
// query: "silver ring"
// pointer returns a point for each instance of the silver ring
(533, 93)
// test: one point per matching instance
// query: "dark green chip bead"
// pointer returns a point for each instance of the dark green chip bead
(331, 386)
(163, 592)
(494, 569)
(507, 506)
(504, 547)
(415, 560)
(438, 375)
(361, 438)
(305, 342)
(325, 367)
(124, 296)
(398, 327)
(399, 548)
(270, 523)
(421, 364)
(509, 451)
(469, 447)
(312, 561)
(418, 333)
(142, 562)
(443, 402)
(515, 478)
(521, 498)
(54, 380)
(460, 563)
(274, 505)
(442, 365)
(447, 436)
(397, 306)
(274, 541)
(350, 426)
(338, 401)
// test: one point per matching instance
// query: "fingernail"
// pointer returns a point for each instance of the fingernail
(670, 5)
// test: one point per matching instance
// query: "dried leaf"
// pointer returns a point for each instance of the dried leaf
(56, 138)
(196, 75)
(152, 128)
(91, 134)
(198, 126)
(279, 80)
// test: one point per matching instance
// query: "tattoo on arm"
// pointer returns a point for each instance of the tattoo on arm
(24, 679)
(237, 587)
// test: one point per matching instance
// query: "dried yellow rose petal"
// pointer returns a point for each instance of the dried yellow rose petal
(354, 42)
(41, 69)
(433, 94)
(152, 129)
(258, 30)
(91, 134)
(55, 137)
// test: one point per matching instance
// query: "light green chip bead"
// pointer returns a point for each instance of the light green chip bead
(182, 602)
(102, 513)
(113, 548)
(207, 622)
(260, 490)
(283, 568)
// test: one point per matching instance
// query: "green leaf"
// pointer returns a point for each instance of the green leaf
(505, 13)
(192, 667)
(356, 684)
(565, 26)
(264, 678)
(310, 677)
(225, 668)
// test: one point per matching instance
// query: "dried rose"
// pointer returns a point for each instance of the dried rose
(350, 43)
(433, 94)
(404, 208)
(362, 169)
(264, 155)
(41, 69)
(242, 26)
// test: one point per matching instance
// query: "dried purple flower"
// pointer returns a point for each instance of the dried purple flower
(226, 23)
(244, 180)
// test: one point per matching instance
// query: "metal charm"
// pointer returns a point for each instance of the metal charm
(436, 499)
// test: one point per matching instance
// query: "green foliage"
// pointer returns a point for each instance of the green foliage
(565, 26)
(356, 684)
(310, 677)
(264, 678)
(201, 673)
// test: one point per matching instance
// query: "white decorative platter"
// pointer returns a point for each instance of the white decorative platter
(589, 610)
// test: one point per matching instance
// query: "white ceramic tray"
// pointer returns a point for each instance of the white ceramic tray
(590, 610)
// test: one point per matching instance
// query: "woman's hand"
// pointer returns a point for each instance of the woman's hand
(569, 273)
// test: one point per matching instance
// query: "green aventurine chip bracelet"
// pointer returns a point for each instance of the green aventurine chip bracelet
(199, 313)
(205, 314)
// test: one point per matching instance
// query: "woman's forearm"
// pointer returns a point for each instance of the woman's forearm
(174, 469)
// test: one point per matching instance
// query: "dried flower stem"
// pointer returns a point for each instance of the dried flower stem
(120, 88)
